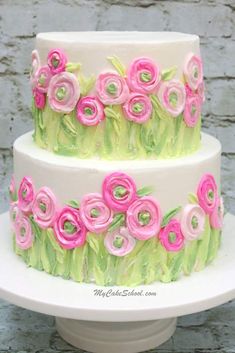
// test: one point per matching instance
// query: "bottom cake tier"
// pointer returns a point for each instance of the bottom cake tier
(116, 223)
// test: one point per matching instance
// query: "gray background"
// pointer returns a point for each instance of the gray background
(214, 21)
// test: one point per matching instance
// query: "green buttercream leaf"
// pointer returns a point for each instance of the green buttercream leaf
(192, 198)
(145, 191)
(73, 204)
(117, 65)
(93, 241)
(213, 245)
(60, 253)
(35, 228)
(190, 254)
(203, 247)
(168, 74)
(71, 67)
(110, 113)
(118, 221)
(68, 125)
(170, 215)
(86, 84)
(79, 263)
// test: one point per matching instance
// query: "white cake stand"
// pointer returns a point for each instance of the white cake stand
(118, 323)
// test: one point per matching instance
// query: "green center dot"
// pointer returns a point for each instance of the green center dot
(211, 195)
(22, 231)
(94, 213)
(193, 109)
(144, 218)
(172, 237)
(60, 93)
(88, 111)
(24, 193)
(55, 62)
(145, 76)
(69, 227)
(195, 73)
(194, 222)
(42, 207)
(118, 241)
(120, 192)
(112, 89)
(137, 107)
(173, 98)
(42, 80)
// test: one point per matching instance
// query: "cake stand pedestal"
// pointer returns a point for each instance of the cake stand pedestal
(116, 319)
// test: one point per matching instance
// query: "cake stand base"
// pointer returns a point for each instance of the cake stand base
(116, 337)
(110, 322)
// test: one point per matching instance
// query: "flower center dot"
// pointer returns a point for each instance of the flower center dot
(22, 231)
(211, 195)
(144, 218)
(42, 207)
(55, 62)
(120, 192)
(24, 193)
(88, 111)
(111, 89)
(118, 241)
(69, 227)
(173, 99)
(42, 80)
(95, 213)
(137, 107)
(193, 109)
(145, 76)
(60, 93)
(195, 73)
(194, 222)
(172, 237)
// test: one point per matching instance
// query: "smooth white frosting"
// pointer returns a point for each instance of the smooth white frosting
(92, 48)
(71, 178)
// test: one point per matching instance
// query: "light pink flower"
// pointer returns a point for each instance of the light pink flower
(201, 91)
(111, 88)
(143, 75)
(144, 218)
(138, 108)
(95, 214)
(45, 208)
(57, 61)
(119, 242)
(43, 78)
(193, 71)
(192, 110)
(90, 111)
(171, 236)
(192, 221)
(34, 66)
(39, 99)
(26, 195)
(63, 92)
(172, 96)
(216, 217)
(119, 191)
(207, 193)
(69, 229)
(14, 213)
(12, 189)
(23, 232)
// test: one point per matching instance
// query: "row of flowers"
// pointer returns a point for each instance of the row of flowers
(122, 212)
(130, 88)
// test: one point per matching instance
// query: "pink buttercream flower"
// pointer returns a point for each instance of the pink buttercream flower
(171, 236)
(23, 232)
(14, 213)
(57, 61)
(193, 71)
(63, 92)
(34, 66)
(12, 189)
(111, 88)
(44, 208)
(192, 221)
(69, 229)
(192, 110)
(144, 218)
(26, 195)
(201, 91)
(138, 108)
(42, 79)
(90, 111)
(119, 242)
(216, 217)
(143, 75)
(39, 98)
(95, 214)
(172, 96)
(207, 193)
(119, 191)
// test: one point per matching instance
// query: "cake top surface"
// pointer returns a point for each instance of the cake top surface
(115, 36)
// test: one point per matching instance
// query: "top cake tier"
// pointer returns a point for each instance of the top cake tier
(117, 95)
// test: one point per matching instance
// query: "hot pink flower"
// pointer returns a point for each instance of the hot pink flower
(207, 193)
(119, 242)
(143, 75)
(69, 229)
(171, 236)
(192, 110)
(43, 78)
(216, 217)
(138, 108)
(192, 221)
(26, 195)
(172, 96)
(34, 66)
(119, 191)
(144, 218)
(90, 111)
(193, 71)
(45, 209)
(23, 233)
(63, 92)
(57, 61)
(112, 88)
(39, 98)
(95, 214)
